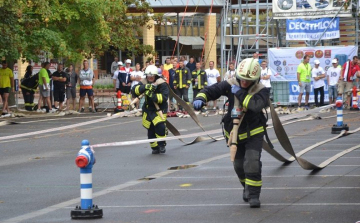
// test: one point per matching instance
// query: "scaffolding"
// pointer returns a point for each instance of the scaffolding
(248, 27)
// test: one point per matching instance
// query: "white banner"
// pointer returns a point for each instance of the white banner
(325, 28)
(283, 62)
(285, 9)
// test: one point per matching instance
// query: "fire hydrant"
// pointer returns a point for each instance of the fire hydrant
(85, 160)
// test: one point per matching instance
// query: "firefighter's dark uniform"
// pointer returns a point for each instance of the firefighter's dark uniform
(201, 82)
(28, 87)
(247, 162)
(150, 116)
(181, 80)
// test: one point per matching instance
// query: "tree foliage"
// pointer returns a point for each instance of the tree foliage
(70, 29)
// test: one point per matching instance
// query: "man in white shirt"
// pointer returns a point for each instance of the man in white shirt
(114, 66)
(333, 75)
(265, 75)
(213, 77)
(115, 76)
(318, 74)
(136, 76)
(231, 72)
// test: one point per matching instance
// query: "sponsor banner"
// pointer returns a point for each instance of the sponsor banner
(283, 62)
(300, 29)
(284, 9)
(294, 89)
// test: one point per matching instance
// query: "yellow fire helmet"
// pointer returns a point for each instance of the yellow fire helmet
(248, 69)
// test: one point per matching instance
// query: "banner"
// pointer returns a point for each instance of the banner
(283, 62)
(294, 89)
(284, 9)
(300, 29)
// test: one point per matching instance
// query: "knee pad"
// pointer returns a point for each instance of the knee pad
(252, 162)
(239, 168)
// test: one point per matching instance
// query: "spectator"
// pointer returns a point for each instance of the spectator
(333, 75)
(168, 65)
(60, 79)
(114, 66)
(348, 73)
(213, 76)
(182, 82)
(44, 87)
(184, 60)
(318, 74)
(256, 57)
(124, 77)
(136, 77)
(172, 78)
(304, 79)
(28, 71)
(86, 81)
(146, 65)
(6, 85)
(116, 76)
(231, 72)
(265, 76)
(165, 73)
(71, 87)
(199, 79)
(191, 65)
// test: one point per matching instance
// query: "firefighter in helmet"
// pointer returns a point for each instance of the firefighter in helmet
(247, 97)
(155, 107)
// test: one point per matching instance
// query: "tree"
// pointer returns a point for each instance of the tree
(70, 29)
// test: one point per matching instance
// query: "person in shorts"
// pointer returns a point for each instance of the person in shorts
(86, 81)
(304, 79)
(6, 85)
(71, 87)
(44, 88)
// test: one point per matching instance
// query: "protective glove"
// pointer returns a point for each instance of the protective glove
(149, 93)
(235, 88)
(150, 87)
(198, 104)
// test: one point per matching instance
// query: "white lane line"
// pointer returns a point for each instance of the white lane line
(238, 188)
(219, 205)
(69, 132)
(57, 119)
(285, 176)
(99, 193)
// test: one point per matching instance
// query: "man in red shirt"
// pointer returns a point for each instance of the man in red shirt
(348, 74)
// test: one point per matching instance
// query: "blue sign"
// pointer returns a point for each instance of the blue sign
(299, 29)
(294, 90)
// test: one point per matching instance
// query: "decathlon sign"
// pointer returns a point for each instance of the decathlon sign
(300, 29)
(284, 9)
(294, 89)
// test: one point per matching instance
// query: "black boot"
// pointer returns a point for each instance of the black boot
(246, 194)
(155, 150)
(162, 149)
(254, 202)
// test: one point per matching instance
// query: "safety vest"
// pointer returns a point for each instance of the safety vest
(201, 79)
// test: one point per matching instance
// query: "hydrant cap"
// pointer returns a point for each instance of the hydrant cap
(81, 161)
(85, 142)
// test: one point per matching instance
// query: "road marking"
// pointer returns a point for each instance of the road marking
(68, 132)
(99, 193)
(284, 176)
(241, 188)
(219, 205)
(185, 185)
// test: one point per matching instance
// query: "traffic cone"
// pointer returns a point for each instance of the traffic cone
(354, 99)
(119, 103)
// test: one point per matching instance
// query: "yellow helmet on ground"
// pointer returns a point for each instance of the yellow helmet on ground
(248, 69)
(151, 70)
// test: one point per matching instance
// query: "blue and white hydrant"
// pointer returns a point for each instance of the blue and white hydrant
(339, 126)
(85, 161)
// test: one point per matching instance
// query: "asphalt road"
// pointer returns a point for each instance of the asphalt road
(39, 181)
